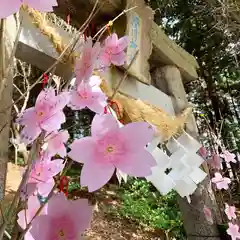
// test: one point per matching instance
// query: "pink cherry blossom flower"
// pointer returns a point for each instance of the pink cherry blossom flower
(113, 51)
(55, 143)
(230, 211)
(221, 182)
(113, 147)
(208, 214)
(65, 219)
(46, 115)
(229, 157)
(43, 171)
(85, 65)
(41, 188)
(28, 190)
(40, 179)
(10, 7)
(203, 152)
(26, 216)
(44, 188)
(215, 162)
(89, 95)
(233, 231)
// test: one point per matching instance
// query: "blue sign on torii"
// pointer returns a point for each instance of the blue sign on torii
(134, 36)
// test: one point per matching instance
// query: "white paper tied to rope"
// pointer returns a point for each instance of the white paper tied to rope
(182, 165)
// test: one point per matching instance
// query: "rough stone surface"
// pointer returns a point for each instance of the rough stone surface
(166, 51)
(139, 23)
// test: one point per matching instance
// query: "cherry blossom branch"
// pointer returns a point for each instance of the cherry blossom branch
(125, 75)
(103, 29)
(26, 75)
(45, 202)
(15, 107)
(35, 149)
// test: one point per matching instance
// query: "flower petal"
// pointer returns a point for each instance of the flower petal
(8, 9)
(62, 151)
(45, 188)
(111, 40)
(82, 149)
(138, 164)
(46, 95)
(118, 59)
(97, 106)
(27, 117)
(76, 102)
(57, 205)
(43, 5)
(103, 123)
(82, 217)
(41, 227)
(99, 101)
(62, 100)
(138, 134)
(30, 133)
(54, 122)
(95, 175)
(122, 43)
(55, 166)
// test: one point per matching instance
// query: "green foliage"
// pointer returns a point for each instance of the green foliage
(73, 185)
(143, 203)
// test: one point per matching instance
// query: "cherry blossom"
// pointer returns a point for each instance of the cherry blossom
(28, 190)
(221, 182)
(229, 157)
(230, 211)
(85, 65)
(203, 152)
(43, 171)
(40, 188)
(26, 215)
(55, 143)
(40, 179)
(208, 214)
(9, 7)
(233, 231)
(65, 219)
(47, 114)
(215, 161)
(89, 95)
(112, 147)
(113, 51)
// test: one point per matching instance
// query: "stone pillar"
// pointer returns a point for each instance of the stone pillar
(169, 79)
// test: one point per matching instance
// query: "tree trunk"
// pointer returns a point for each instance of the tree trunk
(6, 86)
(195, 224)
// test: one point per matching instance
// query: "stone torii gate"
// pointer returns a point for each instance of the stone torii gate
(153, 92)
